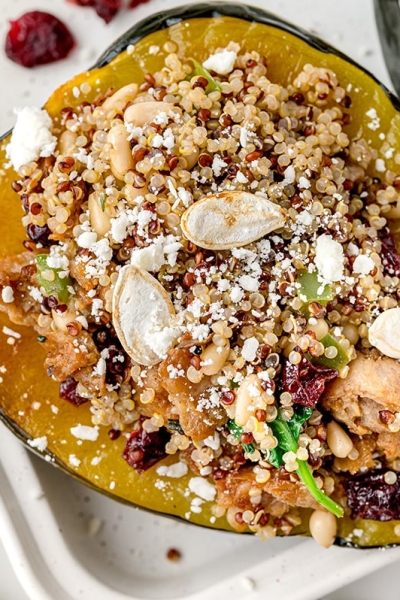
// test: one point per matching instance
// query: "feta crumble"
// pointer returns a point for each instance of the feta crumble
(7, 294)
(85, 432)
(31, 137)
(329, 259)
(221, 62)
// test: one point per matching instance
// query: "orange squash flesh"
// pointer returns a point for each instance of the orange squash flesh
(29, 401)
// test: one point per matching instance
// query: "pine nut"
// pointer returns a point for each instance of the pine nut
(323, 527)
(232, 519)
(214, 358)
(120, 98)
(338, 440)
(143, 113)
(100, 220)
(61, 320)
(66, 142)
(248, 393)
(120, 154)
(191, 159)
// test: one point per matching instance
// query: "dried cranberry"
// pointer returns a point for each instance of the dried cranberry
(39, 234)
(106, 9)
(370, 497)
(38, 38)
(305, 381)
(390, 256)
(134, 3)
(143, 449)
(68, 392)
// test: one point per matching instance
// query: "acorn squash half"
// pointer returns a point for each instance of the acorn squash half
(29, 401)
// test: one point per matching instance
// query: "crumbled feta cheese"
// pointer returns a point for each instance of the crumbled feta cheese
(375, 120)
(176, 470)
(352, 249)
(221, 62)
(97, 306)
(213, 441)
(249, 350)
(202, 488)
(86, 239)
(73, 460)
(31, 137)
(249, 283)
(36, 294)
(236, 294)
(150, 258)
(304, 183)
(329, 258)
(363, 264)
(223, 285)
(217, 165)
(305, 218)
(157, 141)
(161, 118)
(11, 332)
(100, 368)
(39, 443)
(7, 294)
(85, 432)
(244, 136)
(241, 178)
(161, 340)
(289, 175)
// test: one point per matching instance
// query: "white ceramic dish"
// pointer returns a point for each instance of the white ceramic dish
(66, 542)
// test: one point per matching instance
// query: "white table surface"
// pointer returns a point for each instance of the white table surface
(346, 24)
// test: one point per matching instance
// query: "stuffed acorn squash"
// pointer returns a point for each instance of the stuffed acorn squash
(200, 294)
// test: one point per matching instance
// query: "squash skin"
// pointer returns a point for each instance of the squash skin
(210, 25)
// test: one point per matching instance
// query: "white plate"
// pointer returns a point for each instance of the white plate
(66, 542)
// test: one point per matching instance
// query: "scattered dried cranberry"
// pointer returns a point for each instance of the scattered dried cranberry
(370, 497)
(39, 234)
(390, 256)
(143, 449)
(106, 9)
(38, 38)
(134, 3)
(68, 392)
(306, 381)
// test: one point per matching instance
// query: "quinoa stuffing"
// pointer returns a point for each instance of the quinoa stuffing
(209, 268)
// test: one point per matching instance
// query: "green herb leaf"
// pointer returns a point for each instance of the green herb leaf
(102, 201)
(202, 72)
(300, 416)
(174, 425)
(237, 432)
(287, 443)
(58, 286)
(41, 338)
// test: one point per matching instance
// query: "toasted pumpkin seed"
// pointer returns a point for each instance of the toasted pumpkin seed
(230, 220)
(143, 316)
